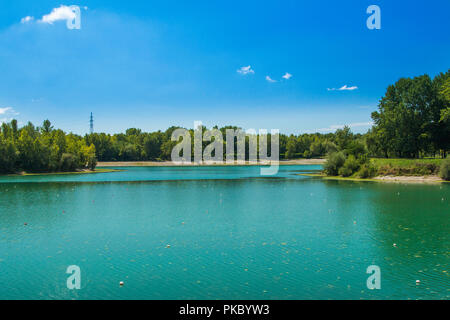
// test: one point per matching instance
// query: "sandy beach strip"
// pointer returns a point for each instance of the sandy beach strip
(172, 164)
(411, 179)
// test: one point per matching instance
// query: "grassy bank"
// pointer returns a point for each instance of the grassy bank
(341, 167)
(406, 167)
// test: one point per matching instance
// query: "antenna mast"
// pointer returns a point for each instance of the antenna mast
(92, 124)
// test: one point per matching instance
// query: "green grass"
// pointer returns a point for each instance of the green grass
(404, 162)
(325, 177)
(407, 167)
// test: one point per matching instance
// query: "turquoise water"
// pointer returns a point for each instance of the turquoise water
(232, 235)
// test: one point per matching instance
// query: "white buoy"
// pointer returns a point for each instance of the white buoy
(417, 281)
(395, 245)
(121, 283)
(168, 246)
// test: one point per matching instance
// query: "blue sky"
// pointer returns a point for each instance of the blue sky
(154, 64)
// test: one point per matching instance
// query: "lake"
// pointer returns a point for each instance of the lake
(221, 233)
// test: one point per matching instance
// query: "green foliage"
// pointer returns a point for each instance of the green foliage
(351, 165)
(307, 154)
(366, 171)
(334, 162)
(44, 149)
(444, 171)
(412, 121)
(68, 162)
(412, 118)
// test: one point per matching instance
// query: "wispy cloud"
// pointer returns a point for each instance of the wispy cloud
(26, 19)
(245, 70)
(7, 113)
(343, 88)
(6, 110)
(287, 76)
(335, 127)
(269, 79)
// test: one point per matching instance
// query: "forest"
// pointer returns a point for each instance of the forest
(412, 121)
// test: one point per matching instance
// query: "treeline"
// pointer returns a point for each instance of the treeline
(43, 149)
(136, 145)
(412, 121)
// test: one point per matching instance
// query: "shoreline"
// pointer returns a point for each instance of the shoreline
(107, 164)
(25, 174)
(389, 179)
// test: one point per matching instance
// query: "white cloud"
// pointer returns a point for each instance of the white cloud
(343, 88)
(287, 76)
(8, 111)
(335, 127)
(5, 110)
(245, 70)
(26, 19)
(58, 14)
(269, 79)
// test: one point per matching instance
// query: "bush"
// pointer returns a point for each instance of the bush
(92, 162)
(68, 162)
(444, 171)
(334, 162)
(351, 165)
(366, 171)
(307, 154)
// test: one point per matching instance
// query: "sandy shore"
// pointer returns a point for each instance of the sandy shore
(412, 179)
(172, 164)
(398, 179)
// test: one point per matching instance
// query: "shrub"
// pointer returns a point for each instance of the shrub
(334, 162)
(307, 154)
(68, 162)
(367, 171)
(351, 165)
(92, 162)
(444, 171)
(345, 171)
